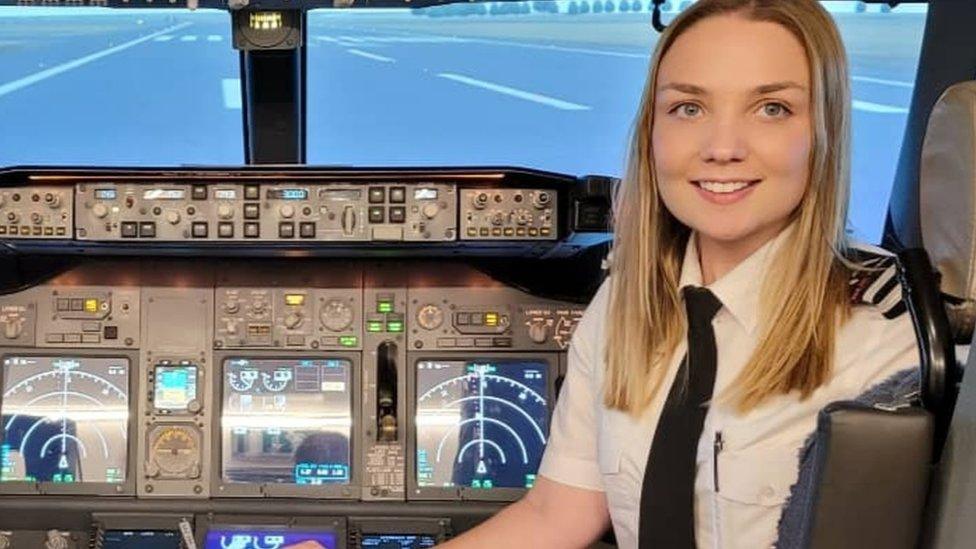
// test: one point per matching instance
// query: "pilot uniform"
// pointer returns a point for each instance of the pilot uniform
(746, 463)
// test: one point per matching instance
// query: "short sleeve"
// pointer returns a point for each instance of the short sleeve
(571, 453)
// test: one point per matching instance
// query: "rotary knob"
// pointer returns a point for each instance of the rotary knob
(52, 200)
(479, 201)
(225, 211)
(336, 315)
(497, 218)
(173, 217)
(539, 331)
(55, 540)
(287, 211)
(431, 210)
(13, 327)
(5, 542)
(100, 210)
(430, 317)
(231, 306)
(37, 218)
(293, 320)
(13, 217)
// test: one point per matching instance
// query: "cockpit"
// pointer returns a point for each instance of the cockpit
(277, 271)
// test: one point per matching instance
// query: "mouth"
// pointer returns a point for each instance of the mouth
(726, 186)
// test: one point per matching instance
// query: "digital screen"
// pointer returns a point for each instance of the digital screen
(265, 538)
(288, 194)
(225, 194)
(141, 539)
(175, 386)
(397, 541)
(287, 421)
(341, 194)
(65, 419)
(481, 424)
(105, 194)
(424, 194)
(163, 194)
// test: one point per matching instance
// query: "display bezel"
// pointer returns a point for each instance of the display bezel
(125, 488)
(105, 522)
(208, 522)
(439, 529)
(351, 490)
(434, 493)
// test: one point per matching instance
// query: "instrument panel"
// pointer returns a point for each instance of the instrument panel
(215, 386)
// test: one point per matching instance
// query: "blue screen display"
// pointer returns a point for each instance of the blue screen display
(265, 538)
(397, 541)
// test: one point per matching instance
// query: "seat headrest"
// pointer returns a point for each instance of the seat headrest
(947, 198)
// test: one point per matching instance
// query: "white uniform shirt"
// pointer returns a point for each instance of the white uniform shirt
(740, 489)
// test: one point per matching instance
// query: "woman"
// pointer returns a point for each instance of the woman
(738, 184)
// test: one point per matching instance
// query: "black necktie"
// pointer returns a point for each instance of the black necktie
(667, 507)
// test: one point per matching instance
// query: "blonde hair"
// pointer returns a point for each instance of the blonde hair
(804, 294)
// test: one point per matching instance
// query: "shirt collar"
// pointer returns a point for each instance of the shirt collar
(739, 289)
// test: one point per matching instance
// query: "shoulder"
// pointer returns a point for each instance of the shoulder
(874, 283)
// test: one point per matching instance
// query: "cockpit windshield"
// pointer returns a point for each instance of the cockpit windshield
(552, 85)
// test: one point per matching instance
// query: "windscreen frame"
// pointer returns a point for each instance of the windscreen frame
(125, 488)
(221, 488)
(415, 492)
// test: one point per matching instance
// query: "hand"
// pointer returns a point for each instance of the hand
(305, 545)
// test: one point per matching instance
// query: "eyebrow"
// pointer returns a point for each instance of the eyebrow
(692, 89)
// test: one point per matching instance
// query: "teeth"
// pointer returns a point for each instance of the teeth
(721, 188)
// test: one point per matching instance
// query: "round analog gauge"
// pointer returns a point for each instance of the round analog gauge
(430, 317)
(336, 315)
(175, 452)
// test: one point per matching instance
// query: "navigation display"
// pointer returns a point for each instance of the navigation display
(481, 424)
(254, 538)
(141, 539)
(175, 386)
(287, 421)
(65, 419)
(397, 541)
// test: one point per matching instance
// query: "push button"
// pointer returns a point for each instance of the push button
(199, 229)
(147, 229)
(199, 192)
(225, 229)
(252, 211)
(377, 195)
(252, 192)
(306, 229)
(110, 332)
(251, 230)
(286, 229)
(398, 214)
(376, 214)
(130, 229)
(398, 195)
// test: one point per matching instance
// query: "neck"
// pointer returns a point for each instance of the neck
(718, 257)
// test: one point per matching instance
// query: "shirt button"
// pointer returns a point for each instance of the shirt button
(767, 493)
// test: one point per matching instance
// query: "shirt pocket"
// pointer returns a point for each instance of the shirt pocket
(753, 486)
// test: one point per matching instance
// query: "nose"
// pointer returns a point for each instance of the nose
(724, 143)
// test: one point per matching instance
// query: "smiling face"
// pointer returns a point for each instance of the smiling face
(732, 133)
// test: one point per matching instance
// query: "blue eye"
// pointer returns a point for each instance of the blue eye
(688, 110)
(775, 110)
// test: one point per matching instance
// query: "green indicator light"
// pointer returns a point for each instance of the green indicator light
(374, 326)
(529, 481)
(487, 484)
(348, 341)
(384, 306)
(476, 483)
(394, 326)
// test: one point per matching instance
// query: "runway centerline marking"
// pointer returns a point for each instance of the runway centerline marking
(513, 92)
(39, 76)
(373, 56)
(877, 108)
(231, 88)
(884, 81)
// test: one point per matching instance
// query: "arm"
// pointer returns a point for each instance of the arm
(552, 515)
